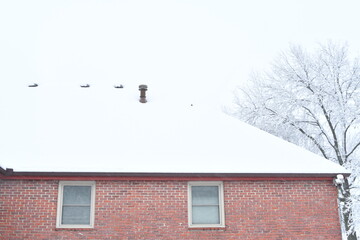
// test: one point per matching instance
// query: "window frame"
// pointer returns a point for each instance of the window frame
(220, 186)
(62, 184)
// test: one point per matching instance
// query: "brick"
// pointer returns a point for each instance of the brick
(256, 209)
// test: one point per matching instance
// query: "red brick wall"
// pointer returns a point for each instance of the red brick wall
(158, 210)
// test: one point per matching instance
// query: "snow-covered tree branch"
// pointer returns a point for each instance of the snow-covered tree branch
(313, 100)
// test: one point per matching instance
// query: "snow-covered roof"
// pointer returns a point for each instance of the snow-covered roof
(66, 128)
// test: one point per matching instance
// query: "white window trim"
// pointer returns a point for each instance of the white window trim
(60, 203)
(220, 186)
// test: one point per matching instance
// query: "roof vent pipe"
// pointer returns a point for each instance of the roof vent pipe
(143, 89)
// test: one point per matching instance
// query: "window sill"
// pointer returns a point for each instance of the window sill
(222, 228)
(74, 229)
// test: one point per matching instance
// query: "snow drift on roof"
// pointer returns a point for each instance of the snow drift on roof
(106, 129)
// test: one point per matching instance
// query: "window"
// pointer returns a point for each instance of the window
(206, 204)
(76, 203)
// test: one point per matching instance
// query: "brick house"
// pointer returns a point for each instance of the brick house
(109, 168)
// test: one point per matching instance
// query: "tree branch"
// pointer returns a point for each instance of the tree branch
(312, 139)
(353, 150)
(319, 126)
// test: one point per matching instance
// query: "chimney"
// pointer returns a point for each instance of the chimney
(143, 89)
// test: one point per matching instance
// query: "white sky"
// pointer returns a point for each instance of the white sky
(204, 48)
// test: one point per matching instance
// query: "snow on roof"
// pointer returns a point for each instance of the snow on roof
(105, 129)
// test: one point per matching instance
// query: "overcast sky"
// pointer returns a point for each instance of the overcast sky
(188, 46)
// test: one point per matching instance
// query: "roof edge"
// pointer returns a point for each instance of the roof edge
(10, 174)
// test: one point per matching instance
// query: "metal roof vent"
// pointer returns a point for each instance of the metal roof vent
(85, 86)
(143, 89)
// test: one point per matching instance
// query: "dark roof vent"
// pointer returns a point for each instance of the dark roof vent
(119, 86)
(143, 89)
(85, 86)
(33, 85)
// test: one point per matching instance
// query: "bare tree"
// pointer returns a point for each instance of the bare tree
(312, 100)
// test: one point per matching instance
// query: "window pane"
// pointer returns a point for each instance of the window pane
(205, 215)
(77, 195)
(76, 215)
(205, 195)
